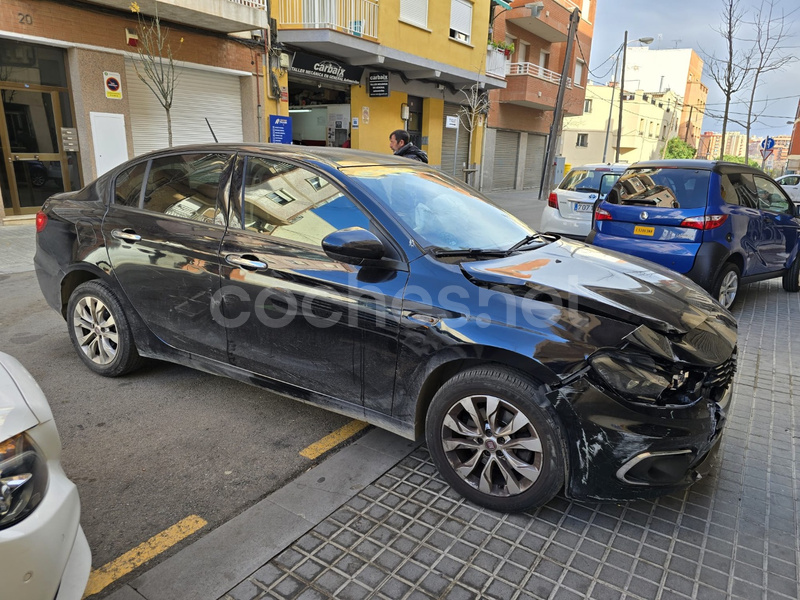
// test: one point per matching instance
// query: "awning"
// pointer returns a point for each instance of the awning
(506, 5)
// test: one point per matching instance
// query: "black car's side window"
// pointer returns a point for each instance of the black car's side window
(286, 201)
(128, 185)
(187, 186)
(770, 197)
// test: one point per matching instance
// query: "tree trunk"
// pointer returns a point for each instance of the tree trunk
(169, 128)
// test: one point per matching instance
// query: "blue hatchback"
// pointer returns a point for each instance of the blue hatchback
(720, 224)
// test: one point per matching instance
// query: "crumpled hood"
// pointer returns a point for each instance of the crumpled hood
(606, 283)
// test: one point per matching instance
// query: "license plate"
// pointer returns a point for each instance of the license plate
(582, 207)
(642, 230)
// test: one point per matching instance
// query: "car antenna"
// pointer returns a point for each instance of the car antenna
(212, 131)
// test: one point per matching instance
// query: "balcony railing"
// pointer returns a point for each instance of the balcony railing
(260, 4)
(536, 71)
(496, 62)
(358, 18)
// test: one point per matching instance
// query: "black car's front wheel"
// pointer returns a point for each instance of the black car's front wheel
(495, 441)
(791, 278)
(99, 330)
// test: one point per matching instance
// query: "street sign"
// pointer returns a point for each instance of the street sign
(768, 143)
(765, 154)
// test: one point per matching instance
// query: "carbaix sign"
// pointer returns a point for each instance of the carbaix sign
(325, 68)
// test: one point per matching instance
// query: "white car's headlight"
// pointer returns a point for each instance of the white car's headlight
(23, 479)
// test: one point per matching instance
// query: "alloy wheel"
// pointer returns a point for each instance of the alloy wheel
(492, 445)
(728, 289)
(96, 330)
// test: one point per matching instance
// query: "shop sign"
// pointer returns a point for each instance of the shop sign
(325, 68)
(451, 122)
(113, 84)
(379, 85)
(280, 129)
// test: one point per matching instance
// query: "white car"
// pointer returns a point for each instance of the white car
(570, 206)
(44, 554)
(791, 185)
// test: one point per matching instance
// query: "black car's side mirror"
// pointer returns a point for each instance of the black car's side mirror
(354, 245)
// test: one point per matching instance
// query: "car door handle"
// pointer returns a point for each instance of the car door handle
(251, 263)
(126, 234)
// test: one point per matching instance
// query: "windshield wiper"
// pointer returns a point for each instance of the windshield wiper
(527, 240)
(471, 252)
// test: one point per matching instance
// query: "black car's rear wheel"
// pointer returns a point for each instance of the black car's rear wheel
(493, 438)
(99, 330)
(726, 288)
(791, 278)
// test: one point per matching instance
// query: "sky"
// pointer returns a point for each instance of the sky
(692, 24)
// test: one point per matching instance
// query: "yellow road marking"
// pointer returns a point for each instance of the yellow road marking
(100, 578)
(333, 439)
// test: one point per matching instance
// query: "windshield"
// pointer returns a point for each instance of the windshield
(440, 212)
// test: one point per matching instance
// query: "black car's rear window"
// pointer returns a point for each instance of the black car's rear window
(664, 188)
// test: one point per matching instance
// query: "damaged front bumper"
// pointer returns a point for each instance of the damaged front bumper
(619, 450)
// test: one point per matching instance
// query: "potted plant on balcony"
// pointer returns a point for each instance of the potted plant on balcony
(505, 48)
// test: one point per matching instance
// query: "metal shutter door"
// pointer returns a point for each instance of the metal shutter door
(505, 160)
(198, 95)
(453, 160)
(534, 161)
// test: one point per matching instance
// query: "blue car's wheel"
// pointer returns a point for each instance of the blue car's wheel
(726, 288)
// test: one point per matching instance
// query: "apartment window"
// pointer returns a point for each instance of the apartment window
(414, 11)
(579, 73)
(461, 20)
(587, 106)
(583, 140)
(641, 126)
(522, 53)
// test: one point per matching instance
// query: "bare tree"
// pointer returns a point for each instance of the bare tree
(476, 108)
(771, 32)
(731, 72)
(157, 69)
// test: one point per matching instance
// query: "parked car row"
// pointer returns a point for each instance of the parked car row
(720, 224)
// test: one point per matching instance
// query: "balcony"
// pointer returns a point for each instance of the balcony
(225, 16)
(532, 86)
(496, 62)
(358, 18)
(552, 23)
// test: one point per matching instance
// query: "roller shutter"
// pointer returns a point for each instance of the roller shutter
(198, 95)
(453, 159)
(505, 160)
(534, 161)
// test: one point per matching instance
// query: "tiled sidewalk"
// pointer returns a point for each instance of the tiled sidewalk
(732, 535)
(17, 247)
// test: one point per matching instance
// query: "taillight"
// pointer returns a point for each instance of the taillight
(552, 200)
(41, 221)
(601, 214)
(704, 223)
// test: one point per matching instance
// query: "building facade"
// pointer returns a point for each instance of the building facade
(362, 69)
(521, 115)
(678, 70)
(648, 121)
(74, 106)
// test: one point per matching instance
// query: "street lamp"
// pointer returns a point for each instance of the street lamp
(643, 40)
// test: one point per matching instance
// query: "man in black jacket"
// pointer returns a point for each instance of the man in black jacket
(401, 145)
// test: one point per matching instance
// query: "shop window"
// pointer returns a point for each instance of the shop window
(415, 12)
(461, 20)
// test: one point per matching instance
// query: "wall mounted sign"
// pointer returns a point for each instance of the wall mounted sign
(325, 68)
(113, 83)
(451, 122)
(379, 84)
(280, 129)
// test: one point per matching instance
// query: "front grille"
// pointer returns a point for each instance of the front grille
(722, 375)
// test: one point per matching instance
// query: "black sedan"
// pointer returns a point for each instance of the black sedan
(386, 291)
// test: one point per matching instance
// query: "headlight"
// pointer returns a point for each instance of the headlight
(23, 479)
(632, 375)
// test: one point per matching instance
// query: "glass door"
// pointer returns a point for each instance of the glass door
(34, 163)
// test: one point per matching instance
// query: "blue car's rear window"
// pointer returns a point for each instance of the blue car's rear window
(663, 188)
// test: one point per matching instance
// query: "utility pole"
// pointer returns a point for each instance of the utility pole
(555, 129)
(621, 97)
(688, 124)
